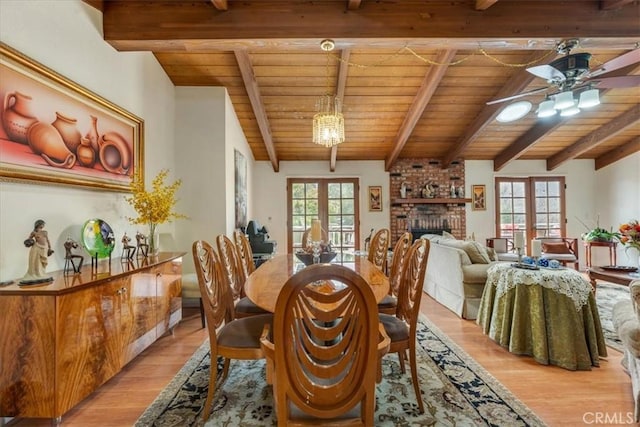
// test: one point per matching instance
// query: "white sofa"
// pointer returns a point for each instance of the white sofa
(453, 277)
(626, 320)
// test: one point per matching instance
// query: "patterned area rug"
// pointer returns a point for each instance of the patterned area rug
(607, 295)
(456, 392)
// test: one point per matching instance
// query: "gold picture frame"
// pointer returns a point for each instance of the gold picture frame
(54, 131)
(478, 197)
(375, 198)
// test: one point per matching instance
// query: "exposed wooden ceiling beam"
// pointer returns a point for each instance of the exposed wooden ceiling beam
(343, 70)
(526, 141)
(193, 26)
(353, 4)
(614, 4)
(220, 4)
(98, 4)
(596, 137)
(618, 153)
(517, 83)
(427, 88)
(484, 4)
(253, 90)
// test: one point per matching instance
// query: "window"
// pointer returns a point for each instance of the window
(333, 201)
(534, 205)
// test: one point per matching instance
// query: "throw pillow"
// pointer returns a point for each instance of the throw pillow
(476, 252)
(448, 235)
(555, 248)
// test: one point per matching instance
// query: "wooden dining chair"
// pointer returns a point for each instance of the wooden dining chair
(379, 248)
(229, 338)
(389, 303)
(244, 253)
(325, 344)
(402, 327)
(231, 269)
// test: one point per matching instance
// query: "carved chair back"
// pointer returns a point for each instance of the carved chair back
(379, 248)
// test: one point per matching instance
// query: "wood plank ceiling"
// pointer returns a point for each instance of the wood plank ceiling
(414, 76)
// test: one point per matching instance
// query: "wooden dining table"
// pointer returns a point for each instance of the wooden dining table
(264, 284)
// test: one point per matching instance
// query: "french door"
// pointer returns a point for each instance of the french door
(535, 205)
(333, 201)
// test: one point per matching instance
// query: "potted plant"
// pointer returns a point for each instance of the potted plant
(154, 206)
(598, 234)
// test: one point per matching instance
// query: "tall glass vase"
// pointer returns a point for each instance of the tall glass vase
(152, 240)
(634, 254)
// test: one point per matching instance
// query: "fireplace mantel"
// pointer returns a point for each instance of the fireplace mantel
(435, 200)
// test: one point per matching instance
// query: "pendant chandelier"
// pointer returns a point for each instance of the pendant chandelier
(328, 122)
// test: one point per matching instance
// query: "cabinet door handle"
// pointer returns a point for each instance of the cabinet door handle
(124, 290)
(119, 291)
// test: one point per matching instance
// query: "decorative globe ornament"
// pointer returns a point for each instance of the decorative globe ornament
(98, 238)
(543, 262)
(554, 263)
(528, 260)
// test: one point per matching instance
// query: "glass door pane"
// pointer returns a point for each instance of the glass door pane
(333, 201)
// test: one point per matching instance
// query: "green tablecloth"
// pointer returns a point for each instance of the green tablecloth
(546, 315)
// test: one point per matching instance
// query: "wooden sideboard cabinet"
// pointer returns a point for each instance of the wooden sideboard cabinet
(59, 342)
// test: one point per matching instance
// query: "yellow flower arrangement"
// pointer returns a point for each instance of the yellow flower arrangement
(156, 206)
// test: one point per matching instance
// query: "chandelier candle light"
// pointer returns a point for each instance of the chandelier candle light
(328, 122)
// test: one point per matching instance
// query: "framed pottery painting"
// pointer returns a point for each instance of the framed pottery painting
(478, 195)
(56, 131)
(375, 198)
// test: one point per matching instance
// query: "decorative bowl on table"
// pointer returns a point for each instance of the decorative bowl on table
(307, 258)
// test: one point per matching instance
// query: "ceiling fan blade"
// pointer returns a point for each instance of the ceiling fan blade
(547, 72)
(520, 95)
(615, 82)
(624, 60)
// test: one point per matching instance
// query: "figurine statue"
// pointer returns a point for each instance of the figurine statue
(461, 192)
(69, 256)
(403, 190)
(428, 191)
(452, 191)
(143, 246)
(128, 251)
(40, 246)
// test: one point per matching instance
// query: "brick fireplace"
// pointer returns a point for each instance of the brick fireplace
(440, 207)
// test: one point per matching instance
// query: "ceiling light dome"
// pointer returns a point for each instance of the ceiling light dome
(514, 111)
(545, 109)
(570, 111)
(589, 98)
(564, 100)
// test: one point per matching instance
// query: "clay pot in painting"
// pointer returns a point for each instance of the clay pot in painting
(66, 126)
(45, 140)
(17, 117)
(86, 155)
(92, 135)
(114, 154)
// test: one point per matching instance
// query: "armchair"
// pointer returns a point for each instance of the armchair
(626, 321)
(563, 249)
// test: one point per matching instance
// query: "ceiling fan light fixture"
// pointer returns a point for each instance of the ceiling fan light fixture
(589, 98)
(564, 100)
(545, 109)
(514, 111)
(570, 111)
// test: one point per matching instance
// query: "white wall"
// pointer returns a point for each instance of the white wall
(66, 36)
(270, 193)
(617, 200)
(207, 133)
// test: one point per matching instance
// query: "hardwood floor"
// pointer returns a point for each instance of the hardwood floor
(557, 396)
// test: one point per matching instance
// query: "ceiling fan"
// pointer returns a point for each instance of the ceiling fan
(567, 77)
